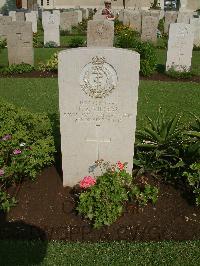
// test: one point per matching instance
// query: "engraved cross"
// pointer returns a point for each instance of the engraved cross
(98, 141)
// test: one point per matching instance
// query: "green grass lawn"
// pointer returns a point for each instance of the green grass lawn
(116, 253)
(41, 55)
(41, 95)
(64, 40)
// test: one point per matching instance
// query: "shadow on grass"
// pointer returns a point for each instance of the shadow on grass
(14, 247)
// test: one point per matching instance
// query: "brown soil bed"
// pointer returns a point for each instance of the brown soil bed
(45, 211)
(156, 76)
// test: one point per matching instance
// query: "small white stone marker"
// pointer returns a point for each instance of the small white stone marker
(51, 24)
(20, 43)
(180, 46)
(195, 22)
(100, 33)
(32, 17)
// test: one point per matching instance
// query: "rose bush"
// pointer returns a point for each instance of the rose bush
(26, 145)
(103, 198)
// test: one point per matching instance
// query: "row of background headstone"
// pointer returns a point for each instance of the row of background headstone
(102, 36)
(96, 134)
(145, 22)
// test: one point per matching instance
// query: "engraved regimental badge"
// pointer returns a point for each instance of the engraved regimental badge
(98, 78)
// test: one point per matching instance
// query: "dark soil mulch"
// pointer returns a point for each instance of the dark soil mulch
(45, 210)
(155, 76)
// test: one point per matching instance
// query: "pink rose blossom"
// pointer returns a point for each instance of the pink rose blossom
(1, 172)
(120, 165)
(87, 182)
(17, 151)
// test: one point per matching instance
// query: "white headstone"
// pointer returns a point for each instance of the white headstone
(162, 14)
(65, 21)
(36, 12)
(135, 21)
(12, 14)
(155, 13)
(183, 5)
(195, 22)
(162, 4)
(99, 17)
(100, 33)
(71, 18)
(80, 15)
(98, 92)
(85, 13)
(149, 29)
(20, 17)
(121, 15)
(184, 17)
(51, 23)
(32, 17)
(5, 21)
(20, 43)
(126, 17)
(180, 46)
(57, 13)
(170, 17)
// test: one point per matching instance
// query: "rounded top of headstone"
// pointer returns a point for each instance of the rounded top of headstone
(107, 2)
(102, 49)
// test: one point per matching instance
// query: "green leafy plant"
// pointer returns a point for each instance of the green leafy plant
(36, 40)
(127, 38)
(17, 69)
(50, 44)
(162, 42)
(103, 202)
(81, 28)
(76, 42)
(161, 25)
(193, 178)
(26, 146)
(3, 43)
(184, 74)
(148, 58)
(195, 129)
(6, 202)
(64, 32)
(40, 29)
(103, 199)
(196, 48)
(171, 152)
(143, 196)
(159, 145)
(192, 150)
(51, 65)
(119, 27)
